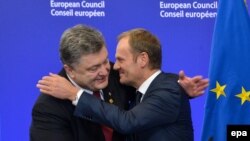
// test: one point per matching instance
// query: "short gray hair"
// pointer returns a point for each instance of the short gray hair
(78, 41)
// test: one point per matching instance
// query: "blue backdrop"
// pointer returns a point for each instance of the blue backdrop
(30, 31)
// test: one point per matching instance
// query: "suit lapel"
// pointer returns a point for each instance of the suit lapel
(108, 96)
(155, 81)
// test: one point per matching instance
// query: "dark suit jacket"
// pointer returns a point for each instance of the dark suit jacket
(53, 120)
(163, 115)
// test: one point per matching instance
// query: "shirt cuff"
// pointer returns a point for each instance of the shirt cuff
(78, 95)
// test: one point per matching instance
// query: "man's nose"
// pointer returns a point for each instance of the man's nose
(104, 70)
(116, 66)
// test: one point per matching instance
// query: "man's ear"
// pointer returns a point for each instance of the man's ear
(143, 59)
(69, 70)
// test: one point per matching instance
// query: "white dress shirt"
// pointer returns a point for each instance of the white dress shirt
(81, 90)
(144, 86)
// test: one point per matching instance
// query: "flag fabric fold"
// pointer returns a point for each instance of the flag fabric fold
(228, 98)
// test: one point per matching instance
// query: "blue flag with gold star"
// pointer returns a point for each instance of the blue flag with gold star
(228, 101)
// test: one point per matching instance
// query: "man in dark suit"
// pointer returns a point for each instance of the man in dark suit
(52, 118)
(163, 112)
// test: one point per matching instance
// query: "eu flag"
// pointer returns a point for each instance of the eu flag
(228, 99)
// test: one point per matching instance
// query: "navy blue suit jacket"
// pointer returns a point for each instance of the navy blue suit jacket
(163, 115)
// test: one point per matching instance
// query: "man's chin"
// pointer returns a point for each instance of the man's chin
(123, 81)
(102, 85)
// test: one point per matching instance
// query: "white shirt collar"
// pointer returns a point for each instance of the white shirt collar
(86, 90)
(76, 85)
(144, 86)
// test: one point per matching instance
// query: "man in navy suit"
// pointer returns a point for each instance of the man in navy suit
(163, 110)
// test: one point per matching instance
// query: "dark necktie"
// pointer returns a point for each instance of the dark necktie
(108, 132)
(138, 97)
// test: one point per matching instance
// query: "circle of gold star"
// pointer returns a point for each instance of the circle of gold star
(219, 90)
(244, 95)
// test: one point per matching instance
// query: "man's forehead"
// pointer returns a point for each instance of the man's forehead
(93, 59)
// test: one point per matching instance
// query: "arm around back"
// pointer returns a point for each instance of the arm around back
(161, 105)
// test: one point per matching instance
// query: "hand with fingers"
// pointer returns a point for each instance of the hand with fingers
(57, 86)
(194, 86)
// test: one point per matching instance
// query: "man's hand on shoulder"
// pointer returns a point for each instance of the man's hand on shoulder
(57, 86)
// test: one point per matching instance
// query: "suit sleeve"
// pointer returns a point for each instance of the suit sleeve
(160, 106)
(49, 123)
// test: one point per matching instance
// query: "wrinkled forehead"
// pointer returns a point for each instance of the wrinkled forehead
(92, 59)
(123, 47)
